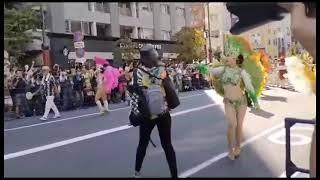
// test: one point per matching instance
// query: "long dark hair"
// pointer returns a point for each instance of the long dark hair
(240, 60)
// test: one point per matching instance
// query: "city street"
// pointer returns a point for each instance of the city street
(84, 144)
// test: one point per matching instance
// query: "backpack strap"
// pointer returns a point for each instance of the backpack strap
(149, 73)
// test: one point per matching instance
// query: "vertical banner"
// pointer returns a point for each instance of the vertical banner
(79, 47)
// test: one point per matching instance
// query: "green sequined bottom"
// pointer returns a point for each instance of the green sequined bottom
(236, 103)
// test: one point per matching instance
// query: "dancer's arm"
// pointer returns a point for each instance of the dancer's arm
(216, 70)
(249, 87)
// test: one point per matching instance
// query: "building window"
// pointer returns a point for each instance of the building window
(165, 9)
(75, 26)
(67, 26)
(215, 33)
(90, 8)
(269, 42)
(146, 33)
(126, 31)
(86, 27)
(146, 7)
(125, 9)
(166, 35)
(102, 7)
(103, 30)
(275, 42)
(98, 6)
(180, 11)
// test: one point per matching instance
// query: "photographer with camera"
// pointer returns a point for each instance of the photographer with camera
(151, 107)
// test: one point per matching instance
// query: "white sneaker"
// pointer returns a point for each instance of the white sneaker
(58, 116)
(101, 113)
(43, 118)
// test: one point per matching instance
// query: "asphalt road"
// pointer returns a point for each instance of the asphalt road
(84, 144)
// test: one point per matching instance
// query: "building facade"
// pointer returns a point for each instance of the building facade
(104, 22)
(274, 37)
(220, 24)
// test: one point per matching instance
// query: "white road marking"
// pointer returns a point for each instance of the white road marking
(277, 137)
(89, 136)
(214, 159)
(81, 116)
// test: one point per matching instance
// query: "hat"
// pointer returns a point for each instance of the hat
(46, 68)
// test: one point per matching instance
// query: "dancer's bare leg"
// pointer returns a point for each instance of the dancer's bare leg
(240, 119)
(97, 99)
(231, 119)
(105, 101)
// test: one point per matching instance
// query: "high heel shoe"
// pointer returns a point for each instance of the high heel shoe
(237, 151)
(231, 155)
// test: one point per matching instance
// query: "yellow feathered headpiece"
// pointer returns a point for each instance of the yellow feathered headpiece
(301, 72)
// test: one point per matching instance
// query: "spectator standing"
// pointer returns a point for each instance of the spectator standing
(78, 81)
(19, 85)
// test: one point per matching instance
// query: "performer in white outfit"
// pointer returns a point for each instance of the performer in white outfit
(49, 87)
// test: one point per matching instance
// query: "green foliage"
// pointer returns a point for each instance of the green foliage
(190, 45)
(126, 52)
(16, 23)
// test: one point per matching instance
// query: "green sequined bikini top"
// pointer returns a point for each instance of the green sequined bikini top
(231, 76)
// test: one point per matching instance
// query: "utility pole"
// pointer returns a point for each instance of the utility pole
(45, 48)
(43, 25)
(209, 34)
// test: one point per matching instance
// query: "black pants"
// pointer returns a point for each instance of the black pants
(164, 127)
(36, 104)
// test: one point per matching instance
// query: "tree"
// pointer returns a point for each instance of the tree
(126, 51)
(16, 24)
(190, 43)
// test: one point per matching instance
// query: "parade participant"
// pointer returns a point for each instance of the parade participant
(145, 77)
(101, 92)
(231, 76)
(50, 88)
(303, 26)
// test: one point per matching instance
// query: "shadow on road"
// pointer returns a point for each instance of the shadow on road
(251, 163)
(261, 113)
(274, 98)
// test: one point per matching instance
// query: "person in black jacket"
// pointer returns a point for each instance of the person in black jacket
(78, 82)
(20, 85)
(66, 90)
(141, 79)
